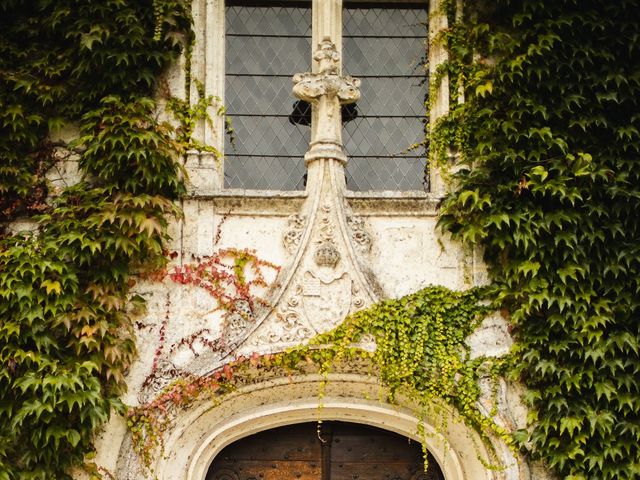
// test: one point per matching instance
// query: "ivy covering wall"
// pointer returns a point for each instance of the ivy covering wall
(550, 133)
(66, 336)
(549, 188)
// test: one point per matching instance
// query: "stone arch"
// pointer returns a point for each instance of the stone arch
(200, 433)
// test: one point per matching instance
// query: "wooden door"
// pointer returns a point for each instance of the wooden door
(337, 451)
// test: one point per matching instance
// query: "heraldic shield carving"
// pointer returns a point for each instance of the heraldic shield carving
(326, 303)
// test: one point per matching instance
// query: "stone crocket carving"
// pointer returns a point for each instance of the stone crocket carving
(327, 90)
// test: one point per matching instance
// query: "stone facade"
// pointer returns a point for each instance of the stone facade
(338, 252)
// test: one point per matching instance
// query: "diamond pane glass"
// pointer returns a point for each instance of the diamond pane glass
(265, 46)
(376, 56)
(265, 173)
(384, 136)
(259, 96)
(276, 133)
(269, 19)
(386, 48)
(400, 96)
(390, 19)
(387, 173)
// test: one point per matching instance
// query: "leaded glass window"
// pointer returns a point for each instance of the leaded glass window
(266, 44)
(385, 46)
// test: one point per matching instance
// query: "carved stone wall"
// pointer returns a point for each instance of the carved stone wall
(338, 252)
(337, 256)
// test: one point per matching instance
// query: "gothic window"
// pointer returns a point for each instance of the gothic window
(268, 42)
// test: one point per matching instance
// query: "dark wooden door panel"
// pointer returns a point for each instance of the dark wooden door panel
(295, 442)
(272, 471)
(291, 452)
(373, 471)
(368, 445)
(340, 451)
(359, 452)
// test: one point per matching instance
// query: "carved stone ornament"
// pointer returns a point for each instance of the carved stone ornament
(327, 227)
(287, 326)
(358, 301)
(326, 304)
(236, 325)
(359, 234)
(328, 57)
(293, 233)
(327, 82)
(326, 90)
(326, 255)
(164, 374)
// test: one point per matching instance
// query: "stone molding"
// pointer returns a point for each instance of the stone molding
(198, 435)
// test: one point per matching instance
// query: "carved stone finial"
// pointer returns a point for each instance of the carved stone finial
(311, 86)
(326, 90)
(327, 56)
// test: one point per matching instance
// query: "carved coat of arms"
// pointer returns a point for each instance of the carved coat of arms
(326, 301)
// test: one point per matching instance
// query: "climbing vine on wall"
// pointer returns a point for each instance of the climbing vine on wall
(549, 145)
(66, 336)
(236, 280)
(230, 276)
(421, 353)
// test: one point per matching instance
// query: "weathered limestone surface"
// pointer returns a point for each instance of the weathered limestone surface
(338, 252)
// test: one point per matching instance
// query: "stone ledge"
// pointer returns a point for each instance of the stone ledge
(393, 203)
(246, 193)
(252, 202)
(275, 202)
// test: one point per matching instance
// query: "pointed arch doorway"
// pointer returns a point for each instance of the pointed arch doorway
(329, 451)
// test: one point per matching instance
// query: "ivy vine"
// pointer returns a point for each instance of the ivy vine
(236, 280)
(549, 145)
(549, 131)
(420, 353)
(66, 308)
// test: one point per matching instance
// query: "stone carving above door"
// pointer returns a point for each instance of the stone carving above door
(326, 276)
(293, 233)
(326, 303)
(286, 327)
(360, 234)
